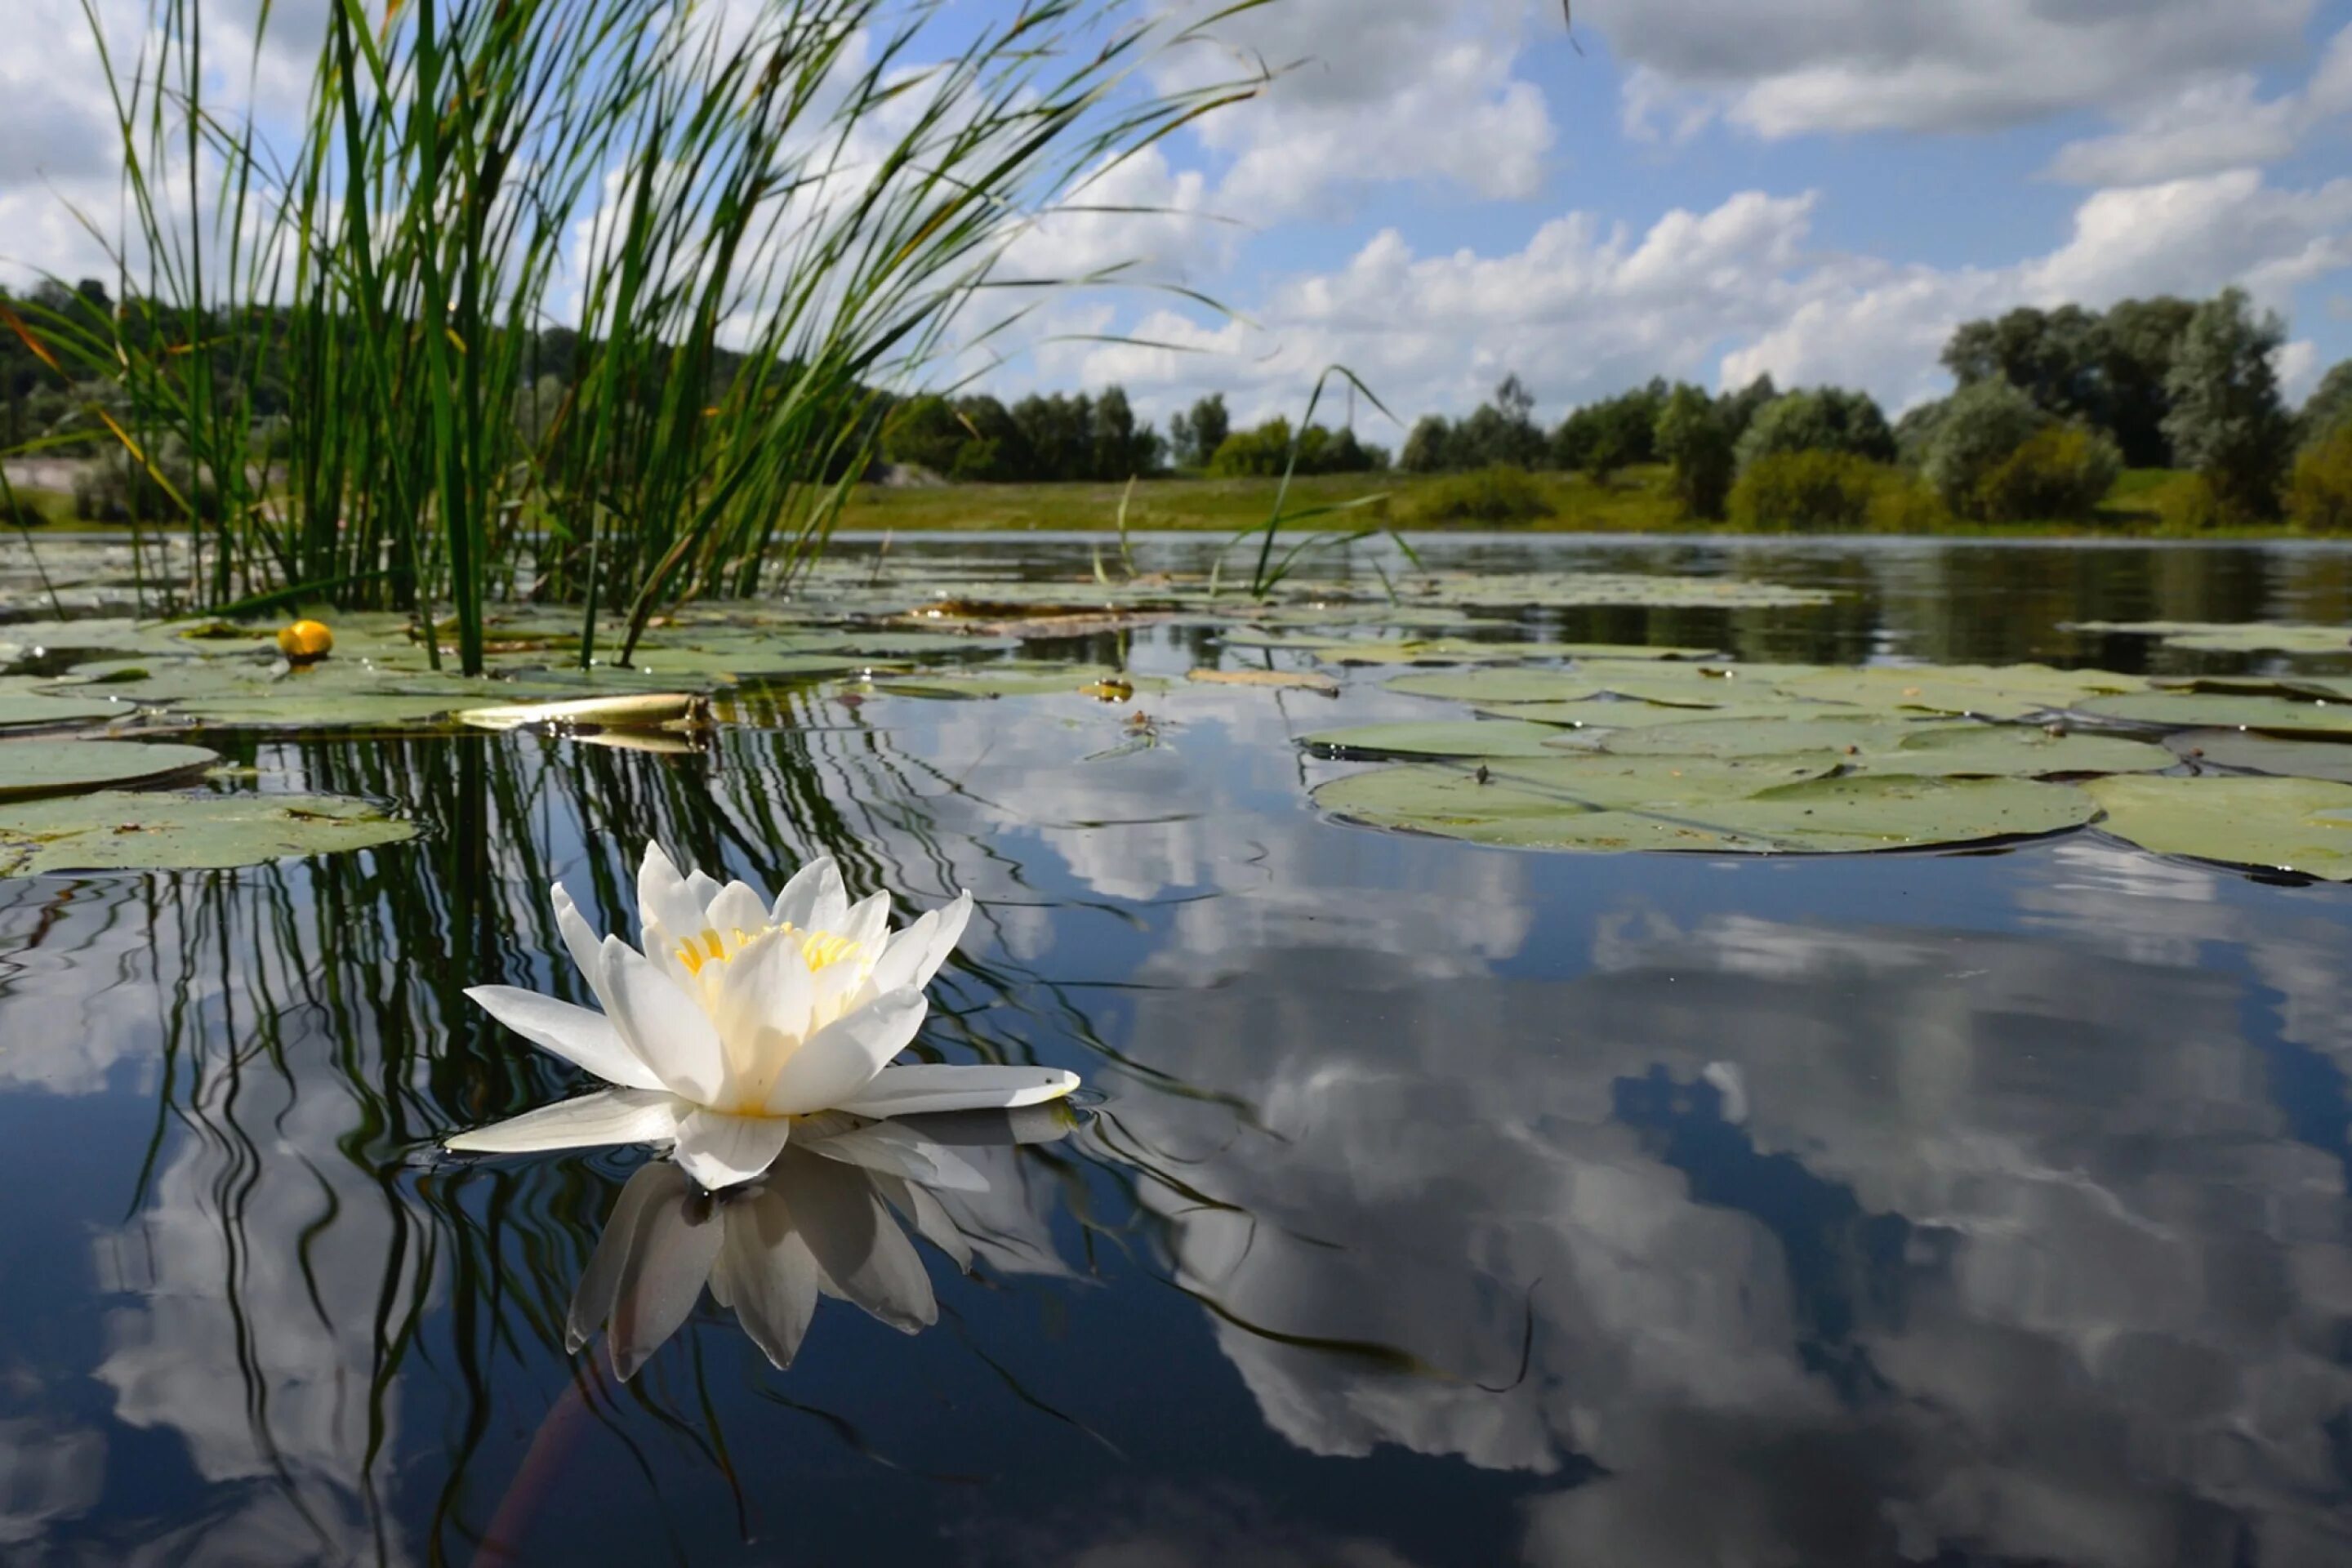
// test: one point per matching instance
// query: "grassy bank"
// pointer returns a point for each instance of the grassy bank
(1636, 500)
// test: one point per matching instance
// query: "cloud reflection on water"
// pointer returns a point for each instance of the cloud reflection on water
(2013, 1254)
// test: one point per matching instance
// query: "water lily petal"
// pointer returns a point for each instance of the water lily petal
(737, 906)
(839, 1060)
(914, 1090)
(721, 1150)
(923, 1210)
(665, 901)
(762, 1008)
(952, 922)
(580, 937)
(592, 1120)
(581, 1037)
(903, 954)
(814, 891)
(768, 1274)
(666, 1028)
(653, 1185)
(676, 1242)
(866, 1257)
(867, 921)
(900, 1151)
(702, 888)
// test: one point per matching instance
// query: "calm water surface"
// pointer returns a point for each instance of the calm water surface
(1445, 1205)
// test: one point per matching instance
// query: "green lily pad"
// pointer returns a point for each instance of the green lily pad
(2306, 688)
(1596, 804)
(1983, 691)
(1604, 713)
(2190, 711)
(30, 768)
(1435, 650)
(1839, 815)
(2231, 637)
(114, 831)
(1008, 679)
(1851, 734)
(2287, 824)
(22, 711)
(1501, 685)
(1456, 738)
(1581, 589)
(1990, 751)
(2266, 753)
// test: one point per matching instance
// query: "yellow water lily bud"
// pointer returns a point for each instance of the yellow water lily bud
(305, 642)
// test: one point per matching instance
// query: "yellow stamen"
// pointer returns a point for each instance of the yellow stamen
(819, 949)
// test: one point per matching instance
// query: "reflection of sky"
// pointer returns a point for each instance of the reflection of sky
(1861, 1211)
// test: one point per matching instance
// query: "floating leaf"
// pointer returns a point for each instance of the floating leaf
(1764, 737)
(2285, 824)
(1501, 685)
(115, 831)
(1990, 751)
(2190, 711)
(2266, 754)
(1457, 738)
(1277, 679)
(29, 768)
(1603, 714)
(1983, 691)
(1844, 815)
(1754, 806)
(1007, 680)
(2227, 636)
(19, 711)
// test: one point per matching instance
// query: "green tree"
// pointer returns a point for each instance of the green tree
(1428, 447)
(1739, 408)
(1826, 420)
(2226, 421)
(1123, 448)
(1692, 434)
(2328, 408)
(2319, 495)
(2143, 337)
(2058, 358)
(927, 433)
(1976, 430)
(1193, 438)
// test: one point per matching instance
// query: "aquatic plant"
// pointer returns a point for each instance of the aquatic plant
(740, 1016)
(736, 232)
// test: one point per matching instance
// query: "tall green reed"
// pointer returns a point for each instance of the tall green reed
(758, 223)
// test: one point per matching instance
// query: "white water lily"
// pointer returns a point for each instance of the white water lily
(741, 1014)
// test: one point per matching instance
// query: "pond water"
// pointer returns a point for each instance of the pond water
(1442, 1204)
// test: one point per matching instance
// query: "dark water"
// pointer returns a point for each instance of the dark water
(1447, 1206)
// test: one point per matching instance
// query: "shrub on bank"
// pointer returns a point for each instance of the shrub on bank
(1807, 492)
(2319, 495)
(2061, 472)
(1496, 495)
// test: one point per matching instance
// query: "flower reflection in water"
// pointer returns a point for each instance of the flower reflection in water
(742, 1016)
(825, 1219)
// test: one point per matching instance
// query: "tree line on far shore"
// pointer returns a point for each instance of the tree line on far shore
(2049, 409)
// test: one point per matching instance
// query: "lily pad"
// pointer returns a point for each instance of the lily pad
(2287, 824)
(19, 711)
(1501, 685)
(1605, 713)
(1008, 679)
(1764, 737)
(114, 831)
(2191, 710)
(1272, 679)
(1983, 691)
(2231, 637)
(2266, 753)
(1754, 806)
(1995, 751)
(1456, 738)
(30, 768)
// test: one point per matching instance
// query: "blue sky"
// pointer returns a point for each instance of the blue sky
(1443, 191)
